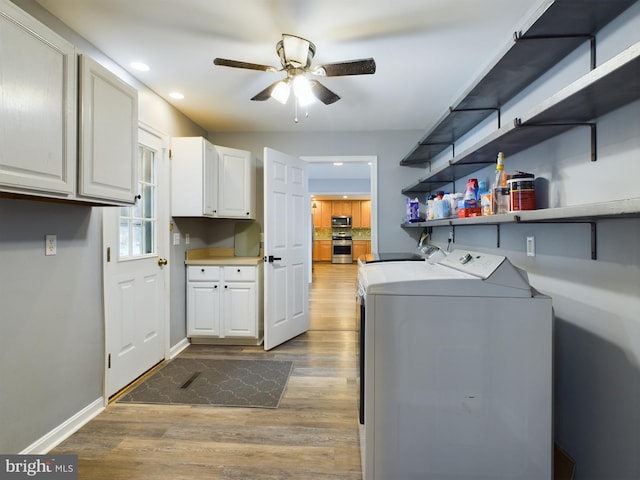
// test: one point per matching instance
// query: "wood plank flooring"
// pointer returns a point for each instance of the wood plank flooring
(313, 435)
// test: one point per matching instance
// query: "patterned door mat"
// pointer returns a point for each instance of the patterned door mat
(229, 383)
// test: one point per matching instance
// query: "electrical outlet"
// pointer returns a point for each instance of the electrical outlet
(50, 244)
(531, 246)
(187, 239)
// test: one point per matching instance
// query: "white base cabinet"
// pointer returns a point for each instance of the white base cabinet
(211, 181)
(224, 302)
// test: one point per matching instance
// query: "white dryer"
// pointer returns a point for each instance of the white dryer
(457, 371)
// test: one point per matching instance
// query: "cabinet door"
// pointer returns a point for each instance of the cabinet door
(359, 249)
(108, 135)
(316, 212)
(326, 213)
(236, 184)
(37, 106)
(325, 250)
(341, 208)
(356, 219)
(203, 309)
(210, 179)
(239, 309)
(365, 214)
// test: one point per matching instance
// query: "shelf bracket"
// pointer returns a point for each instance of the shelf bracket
(518, 36)
(493, 109)
(592, 227)
(594, 143)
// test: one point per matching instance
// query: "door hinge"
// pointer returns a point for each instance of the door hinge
(108, 254)
(109, 361)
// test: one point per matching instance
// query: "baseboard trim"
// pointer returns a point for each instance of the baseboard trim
(63, 431)
(178, 347)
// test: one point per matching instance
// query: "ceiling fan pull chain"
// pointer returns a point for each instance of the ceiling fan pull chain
(295, 117)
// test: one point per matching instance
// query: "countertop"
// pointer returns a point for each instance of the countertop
(218, 256)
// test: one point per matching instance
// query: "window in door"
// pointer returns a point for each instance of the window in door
(138, 223)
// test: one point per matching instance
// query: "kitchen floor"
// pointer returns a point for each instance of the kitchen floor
(313, 435)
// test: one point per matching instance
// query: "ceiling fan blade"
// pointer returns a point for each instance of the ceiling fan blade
(266, 93)
(365, 66)
(236, 64)
(322, 93)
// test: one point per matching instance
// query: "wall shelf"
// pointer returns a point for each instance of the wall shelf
(573, 214)
(556, 29)
(602, 90)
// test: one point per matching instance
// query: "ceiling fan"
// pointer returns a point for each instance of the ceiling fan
(296, 54)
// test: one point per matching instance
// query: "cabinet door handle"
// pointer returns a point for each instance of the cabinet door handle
(238, 270)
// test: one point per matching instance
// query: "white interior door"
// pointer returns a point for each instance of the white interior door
(135, 251)
(286, 240)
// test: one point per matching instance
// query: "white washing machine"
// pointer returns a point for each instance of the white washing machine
(457, 371)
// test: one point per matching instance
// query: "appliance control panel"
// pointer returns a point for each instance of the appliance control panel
(474, 263)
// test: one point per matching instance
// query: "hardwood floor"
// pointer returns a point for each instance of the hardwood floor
(313, 435)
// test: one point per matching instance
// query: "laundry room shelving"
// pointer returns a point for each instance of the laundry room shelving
(559, 28)
(556, 29)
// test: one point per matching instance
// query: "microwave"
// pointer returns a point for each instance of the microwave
(341, 221)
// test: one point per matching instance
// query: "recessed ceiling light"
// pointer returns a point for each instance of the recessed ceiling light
(141, 67)
(176, 95)
(337, 164)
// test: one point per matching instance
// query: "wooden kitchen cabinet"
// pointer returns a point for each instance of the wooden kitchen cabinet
(224, 303)
(361, 213)
(341, 208)
(211, 181)
(326, 214)
(322, 251)
(317, 212)
(360, 247)
(365, 214)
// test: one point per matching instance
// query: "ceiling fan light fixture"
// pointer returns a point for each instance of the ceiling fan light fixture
(281, 91)
(302, 90)
(296, 51)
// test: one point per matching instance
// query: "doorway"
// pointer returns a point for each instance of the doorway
(343, 186)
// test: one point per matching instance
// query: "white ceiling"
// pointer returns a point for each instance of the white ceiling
(427, 52)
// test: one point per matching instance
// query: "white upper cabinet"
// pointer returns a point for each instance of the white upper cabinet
(37, 107)
(108, 134)
(211, 181)
(236, 191)
(43, 119)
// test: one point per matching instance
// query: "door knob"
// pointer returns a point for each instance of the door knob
(271, 258)
(162, 262)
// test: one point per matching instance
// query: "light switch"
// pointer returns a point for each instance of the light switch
(176, 239)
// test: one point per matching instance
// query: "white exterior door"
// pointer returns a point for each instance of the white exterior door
(286, 242)
(135, 248)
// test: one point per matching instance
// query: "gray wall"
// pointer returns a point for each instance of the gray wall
(596, 302)
(52, 327)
